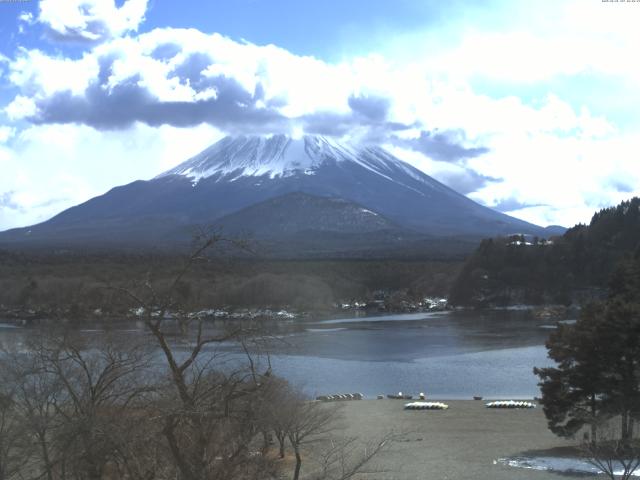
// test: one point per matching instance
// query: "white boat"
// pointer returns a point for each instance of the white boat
(425, 406)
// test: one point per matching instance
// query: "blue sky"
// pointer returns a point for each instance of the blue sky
(528, 107)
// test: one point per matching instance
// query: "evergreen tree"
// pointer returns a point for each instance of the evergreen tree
(597, 376)
(619, 353)
(571, 391)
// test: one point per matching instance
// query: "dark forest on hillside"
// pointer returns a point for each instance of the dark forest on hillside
(572, 268)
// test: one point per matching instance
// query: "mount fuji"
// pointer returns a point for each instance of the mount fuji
(283, 191)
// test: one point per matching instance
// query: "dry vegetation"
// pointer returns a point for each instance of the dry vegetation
(72, 408)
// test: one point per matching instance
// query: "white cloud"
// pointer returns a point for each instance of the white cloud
(289, 85)
(526, 43)
(40, 75)
(4, 64)
(571, 177)
(21, 107)
(6, 132)
(91, 20)
(25, 19)
(49, 168)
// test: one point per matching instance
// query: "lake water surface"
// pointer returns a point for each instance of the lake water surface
(452, 355)
(447, 355)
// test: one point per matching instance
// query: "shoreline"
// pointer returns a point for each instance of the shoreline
(465, 441)
(28, 317)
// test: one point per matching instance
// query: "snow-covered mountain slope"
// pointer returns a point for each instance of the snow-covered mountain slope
(238, 172)
(280, 156)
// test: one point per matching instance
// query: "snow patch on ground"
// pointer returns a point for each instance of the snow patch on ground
(563, 465)
(364, 210)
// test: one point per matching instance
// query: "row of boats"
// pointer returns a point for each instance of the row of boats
(340, 397)
(422, 405)
(510, 404)
(444, 406)
(426, 406)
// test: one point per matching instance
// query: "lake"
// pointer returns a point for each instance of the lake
(446, 355)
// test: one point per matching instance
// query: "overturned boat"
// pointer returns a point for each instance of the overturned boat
(426, 406)
(510, 404)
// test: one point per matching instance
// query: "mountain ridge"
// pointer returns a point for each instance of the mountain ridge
(238, 172)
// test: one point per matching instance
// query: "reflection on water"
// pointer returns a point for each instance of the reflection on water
(454, 354)
(409, 337)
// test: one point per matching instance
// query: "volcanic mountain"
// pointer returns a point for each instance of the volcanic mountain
(276, 188)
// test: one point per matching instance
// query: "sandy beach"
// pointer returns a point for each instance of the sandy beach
(464, 442)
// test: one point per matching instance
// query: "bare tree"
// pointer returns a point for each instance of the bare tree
(99, 382)
(207, 407)
(275, 408)
(343, 458)
(211, 410)
(308, 422)
(13, 454)
(615, 455)
(35, 396)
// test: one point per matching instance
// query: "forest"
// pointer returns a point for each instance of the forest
(72, 285)
(569, 269)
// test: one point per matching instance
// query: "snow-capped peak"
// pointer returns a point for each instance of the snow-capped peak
(282, 156)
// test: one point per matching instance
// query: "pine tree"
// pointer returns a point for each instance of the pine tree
(597, 376)
(571, 391)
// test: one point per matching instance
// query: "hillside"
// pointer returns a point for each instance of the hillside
(571, 268)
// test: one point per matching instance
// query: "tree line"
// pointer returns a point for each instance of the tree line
(72, 286)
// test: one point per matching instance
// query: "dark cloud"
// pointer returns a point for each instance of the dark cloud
(7, 200)
(116, 107)
(397, 126)
(95, 32)
(372, 108)
(466, 180)
(191, 71)
(510, 204)
(166, 51)
(367, 112)
(338, 124)
(622, 185)
(228, 105)
(443, 146)
(327, 123)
